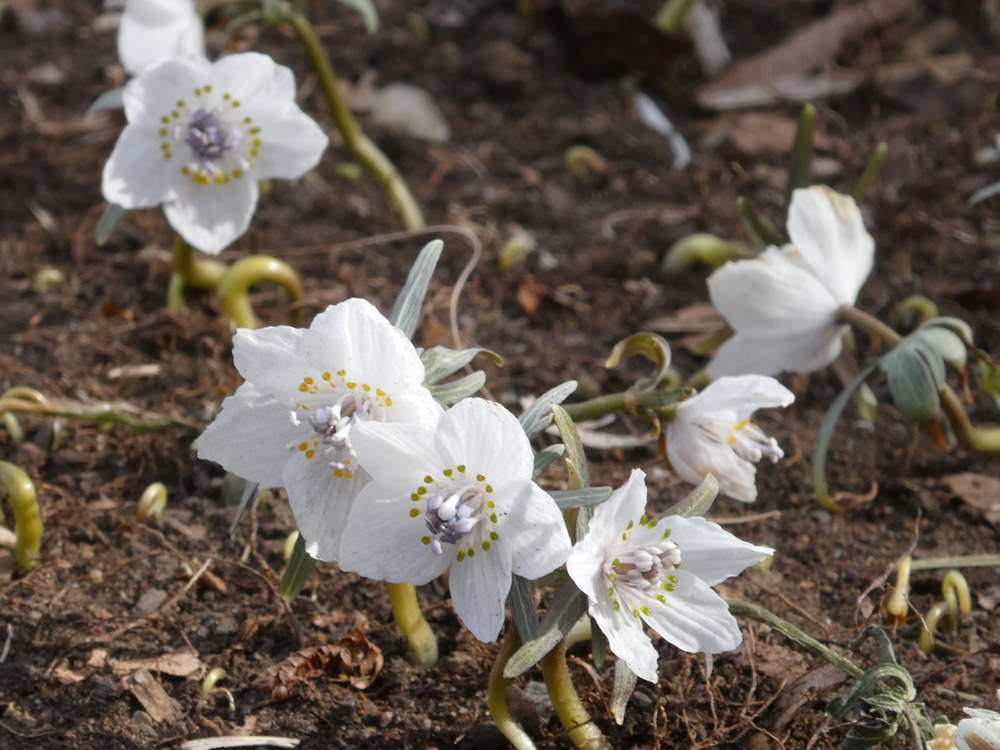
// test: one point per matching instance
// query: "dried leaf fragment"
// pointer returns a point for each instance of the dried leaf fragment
(353, 658)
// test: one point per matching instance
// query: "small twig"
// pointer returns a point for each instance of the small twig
(6, 645)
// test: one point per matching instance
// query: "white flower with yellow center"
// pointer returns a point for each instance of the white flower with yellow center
(201, 135)
(658, 572)
(782, 305)
(292, 423)
(712, 433)
(459, 496)
(154, 30)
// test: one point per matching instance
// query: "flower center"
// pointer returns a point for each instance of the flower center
(641, 567)
(451, 515)
(645, 567)
(746, 438)
(219, 144)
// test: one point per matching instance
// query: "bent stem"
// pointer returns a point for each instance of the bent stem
(979, 439)
(411, 623)
(235, 284)
(188, 270)
(496, 694)
(569, 708)
(363, 148)
(661, 403)
(101, 412)
(27, 517)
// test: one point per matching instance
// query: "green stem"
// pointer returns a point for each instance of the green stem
(101, 412)
(746, 609)
(363, 148)
(27, 517)
(800, 169)
(661, 403)
(671, 16)
(496, 694)
(235, 284)
(190, 271)
(874, 164)
(583, 732)
(980, 439)
(411, 623)
(972, 561)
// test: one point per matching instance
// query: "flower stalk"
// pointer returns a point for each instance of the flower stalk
(411, 623)
(234, 285)
(101, 412)
(190, 271)
(583, 732)
(496, 694)
(660, 403)
(363, 148)
(27, 517)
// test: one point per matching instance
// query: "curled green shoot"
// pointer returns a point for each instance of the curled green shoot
(940, 612)
(235, 283)
(411, 623)
(152, 503)
(704, 248)
(955, 590)
(897, 605)
(496, 694)
(213, 678)
(190, 271)
(27, 517)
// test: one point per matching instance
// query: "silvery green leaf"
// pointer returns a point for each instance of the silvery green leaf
(568, 605)
(455, 390)
(522, 606)
(108, 223)
(107, 101)
(406, 311)
(625, 680)
(915, 373)
(699, 501)
(653, 347)
(248, 492)
(598, 644)
(546, 456)
(538, 416)
(366, 9)
(946, 343)
(440, 362)
(300, 565)
(584, 497)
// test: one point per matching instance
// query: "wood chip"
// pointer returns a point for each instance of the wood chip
(154, 699)
(215, 743)
(180, 663)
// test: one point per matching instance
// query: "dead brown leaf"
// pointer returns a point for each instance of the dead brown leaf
(701, 317)
(978, 490)
(353, 658)
(154, 699)
(180, 663)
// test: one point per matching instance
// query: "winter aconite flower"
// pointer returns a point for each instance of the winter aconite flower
(291, 424)
(201, 135)
(460, 497)
(154, 30)
(782, 305)
(658, 572)
(981, 731)
(712, 433)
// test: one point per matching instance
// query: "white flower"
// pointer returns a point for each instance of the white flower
(291, 423)
(712, 433)
(783, 304)
(980, 732)
(201, 135)
(153, 30)
(658, 572)
(458, 497)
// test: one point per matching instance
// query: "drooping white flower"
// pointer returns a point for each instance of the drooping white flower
(460, 497)
(659, 572)
(291, 424)
(201, 135)
(782, 305)
(981, 731)
(712, 433)
(154, 30)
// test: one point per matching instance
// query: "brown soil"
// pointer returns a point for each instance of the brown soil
(110, 589)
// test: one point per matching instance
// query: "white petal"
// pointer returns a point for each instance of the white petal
(694, 618)
(479, 587)
(983, 723)
(771, 296)
(487, 438)
(152, 30)
(804, 352)
(154, 93)
(267, 357)
(828, 230)
(211, 217)
(255, 81)
(398, 456)
(627, 638)
(532, 526)
(710, 552)
(291, 143)
(321, 502)
(693, 456)
(382, 542)
(137, 175)
(742, 395)
(249, 437)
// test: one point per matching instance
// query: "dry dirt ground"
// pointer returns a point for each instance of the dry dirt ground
(110, 597)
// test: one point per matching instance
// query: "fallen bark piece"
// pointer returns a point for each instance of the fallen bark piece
(180, 663)
(154, 699)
